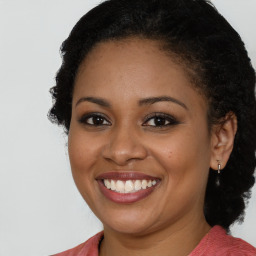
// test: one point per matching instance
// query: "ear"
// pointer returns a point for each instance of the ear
(222, 138)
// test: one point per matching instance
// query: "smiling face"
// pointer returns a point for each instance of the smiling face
(139, 143)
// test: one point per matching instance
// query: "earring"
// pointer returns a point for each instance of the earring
(219, 167)
(218, 176)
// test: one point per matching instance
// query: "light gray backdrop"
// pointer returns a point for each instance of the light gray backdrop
(41, 211)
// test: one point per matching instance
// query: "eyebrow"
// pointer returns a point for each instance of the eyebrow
(146, 101)
(152, 100)
(95, 100)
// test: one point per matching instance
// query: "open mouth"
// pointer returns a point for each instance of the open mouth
(128, 186)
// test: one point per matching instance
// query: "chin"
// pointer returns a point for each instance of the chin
(134, 223)
(130, 228)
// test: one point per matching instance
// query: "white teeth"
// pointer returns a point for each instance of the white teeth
(120, 186)
(129, 186)
(113, 185)
(107, 184)
(144, 184)
(137, 185)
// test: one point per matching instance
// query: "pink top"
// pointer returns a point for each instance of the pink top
(215, 243)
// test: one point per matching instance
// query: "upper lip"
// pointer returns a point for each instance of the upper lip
(127, 175)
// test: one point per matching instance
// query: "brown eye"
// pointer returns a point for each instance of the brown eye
(94, 120)
(160, 120)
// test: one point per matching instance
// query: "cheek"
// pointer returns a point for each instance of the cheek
(185, 157)
(83, 151)
(82, 156)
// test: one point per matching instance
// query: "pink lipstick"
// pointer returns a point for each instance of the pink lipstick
(126, 187)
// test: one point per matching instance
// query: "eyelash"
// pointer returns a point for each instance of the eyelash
(162, 117)
(154, 116)
(84, 119)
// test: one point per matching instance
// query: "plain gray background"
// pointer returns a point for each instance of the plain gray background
(41, 212)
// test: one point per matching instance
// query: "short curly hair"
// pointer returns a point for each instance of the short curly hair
(194, 31)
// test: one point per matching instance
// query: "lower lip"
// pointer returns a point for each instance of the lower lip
(125, 198)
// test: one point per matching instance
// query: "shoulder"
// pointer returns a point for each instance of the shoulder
(88, 248)
(217, 242)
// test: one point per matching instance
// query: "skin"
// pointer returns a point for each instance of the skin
(179, 153)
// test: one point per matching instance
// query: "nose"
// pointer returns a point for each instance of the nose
(124, 146)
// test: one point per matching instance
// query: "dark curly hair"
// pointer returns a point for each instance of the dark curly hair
(205, 43)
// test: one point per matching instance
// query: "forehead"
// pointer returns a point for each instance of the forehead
(137, 48)
(132, 67)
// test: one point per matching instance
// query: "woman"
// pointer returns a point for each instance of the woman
(157, 98)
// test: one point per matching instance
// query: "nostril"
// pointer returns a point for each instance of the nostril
(124, 147)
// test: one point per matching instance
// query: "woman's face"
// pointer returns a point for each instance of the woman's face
(139, 143)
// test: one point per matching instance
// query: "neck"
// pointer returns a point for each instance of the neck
(178, 239)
